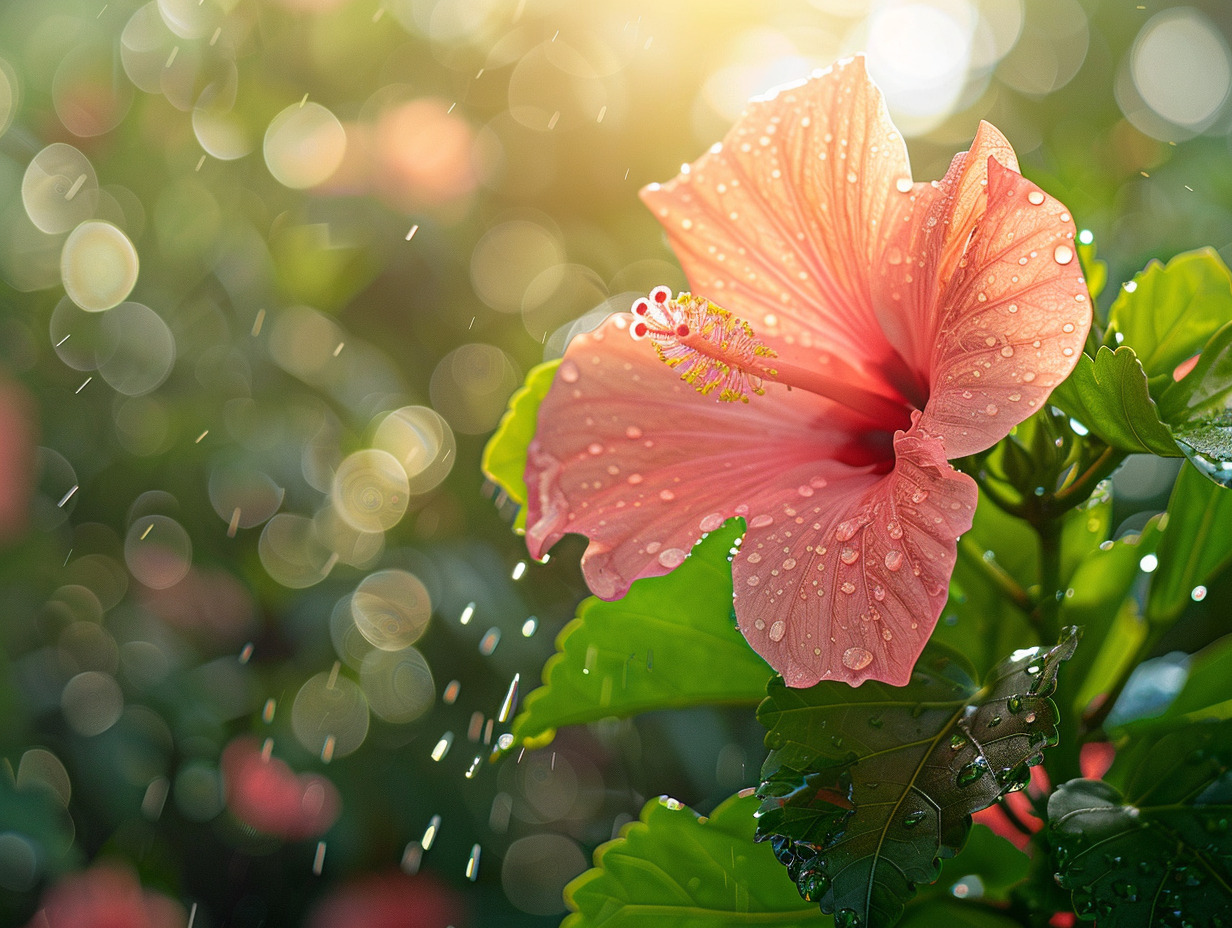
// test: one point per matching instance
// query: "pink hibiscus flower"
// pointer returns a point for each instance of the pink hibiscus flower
(108, 895)
(873, 328)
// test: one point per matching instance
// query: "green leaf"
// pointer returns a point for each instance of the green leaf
(1099, 601)
(1161, 853)
(866, 787)
(671, 642)
(1170, 311)
(1199, 409)
(1093, 269)
(1108, 394)
(672, 869)
(1207, 693)
(953, 913)
(504, 457)
(1196, 545)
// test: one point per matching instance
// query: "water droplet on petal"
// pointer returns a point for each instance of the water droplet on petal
(754, 558)
(761, 521)
(635, 479)
(789, 563)
(1028, 376)
(893, 560)
(1063, 254)
(903, 185)
(633, 432)
(671, 558)
(848, 587)
(857, 658)
(849, 555)
(919, 495)
(895, 528)
(711, 522)
(666, 495)
(568, 371)
(594, 448)
(805, 490)
(846, 530)
(879, 593)
(1035, 197)
(990, 409)
(1067, 328)
(1007, 352)
(778, 630)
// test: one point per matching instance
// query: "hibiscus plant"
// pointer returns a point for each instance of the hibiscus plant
(858, 477)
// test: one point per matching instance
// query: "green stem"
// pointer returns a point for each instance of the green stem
(997, 575)
(1045, 614)
(1084, 485)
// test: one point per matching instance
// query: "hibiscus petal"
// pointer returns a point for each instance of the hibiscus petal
(929, 232)
(848, 585)
(782, 222)
(1011, 321)
(633, 458)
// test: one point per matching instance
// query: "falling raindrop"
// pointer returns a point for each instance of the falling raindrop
(442, 746)
(429, 835)
(490, 640)
(472, 864)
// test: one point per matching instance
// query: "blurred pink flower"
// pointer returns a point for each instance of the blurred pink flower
(17, 447)
(871, 329)
(266, 794)
(391, 900)
(106, 896)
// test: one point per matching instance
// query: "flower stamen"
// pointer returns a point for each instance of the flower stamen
(717, 351)
(713, 349)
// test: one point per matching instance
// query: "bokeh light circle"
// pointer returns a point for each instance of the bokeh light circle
(9, 95)
(81, 339)
(145, 350)
(1182, 68)
(391, 609)
(421, 441)
(355, 547)
(92, 702)
(471, 385)
(304, 145)
(330, 714)
(59, 189)
(19, 862)
(158, 551)
(98, 266)
(508, 259)
(291, 553)
(39, 767)
(243, 496)
(370, 491)
(89, 95)
(399, 684)
(536, 869)
(919, 54)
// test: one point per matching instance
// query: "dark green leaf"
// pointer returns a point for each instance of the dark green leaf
(1139, 866)
(865, 788)
(1196, 545)
(1171, 311)
(1199, 409)
(504, 457)
(672, 869)
(671, 642)
(1108, 394)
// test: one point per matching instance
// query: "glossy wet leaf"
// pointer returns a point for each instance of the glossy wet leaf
(673, 869)
(669, 643)
(1108, 394)
(1152, 845)
(864, 789)
(1196, 545)
(504, 457)
(1172, 310)
(1199, 409)
(1206, 694)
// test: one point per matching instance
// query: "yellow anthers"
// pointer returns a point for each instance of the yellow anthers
(716, 350)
